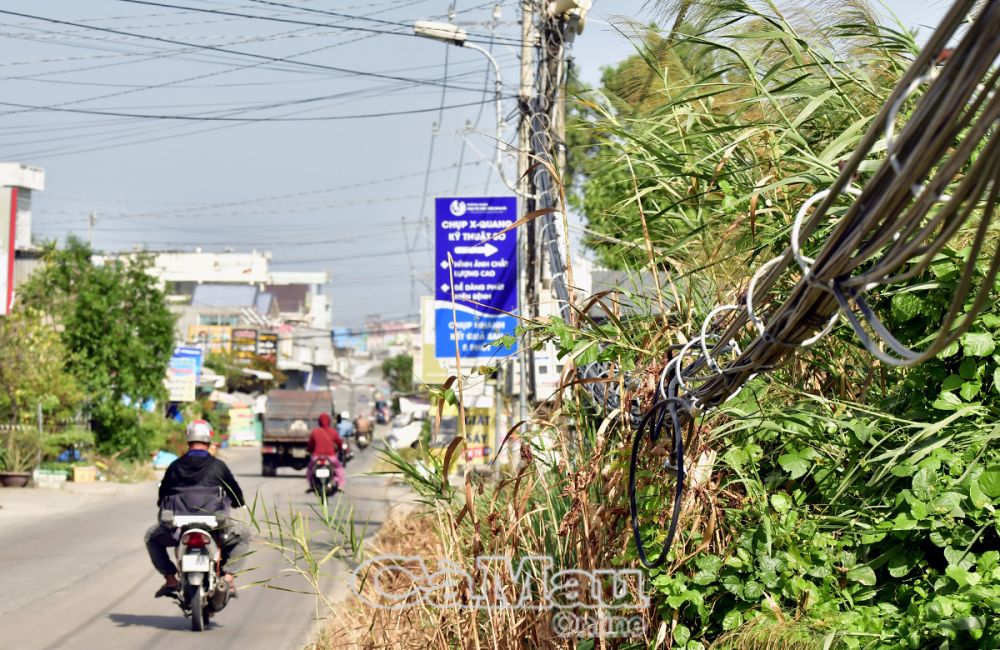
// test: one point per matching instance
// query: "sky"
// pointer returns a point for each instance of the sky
(295, 156)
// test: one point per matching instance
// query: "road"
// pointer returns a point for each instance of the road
(81, 579)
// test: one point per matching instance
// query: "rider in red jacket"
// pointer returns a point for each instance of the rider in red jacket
(324, 441)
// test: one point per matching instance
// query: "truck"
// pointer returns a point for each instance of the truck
(289, 417)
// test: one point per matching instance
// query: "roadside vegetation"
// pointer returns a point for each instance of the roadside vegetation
(835, 503)
(84, 349)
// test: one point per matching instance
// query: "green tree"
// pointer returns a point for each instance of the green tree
(118, 331)
(32, 372)
(398, 371)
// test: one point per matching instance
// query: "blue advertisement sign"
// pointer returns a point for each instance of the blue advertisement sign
(184, 352)
(476, 276)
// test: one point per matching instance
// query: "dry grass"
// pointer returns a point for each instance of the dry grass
(356, 625)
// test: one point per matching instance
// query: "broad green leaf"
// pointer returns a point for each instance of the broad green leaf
(947, 401)
(963, 577)
(923, 481)
(682, 635)
(906, 306)
(709, 563)
(862, 574)
(732, 620)
(989, 482)
(969, 390)
(977, 496)
(950, 350)
(752, 590)
(781, 502)
(794, 463)
(948, 503)
(969, 368)
(703, 578)
(978, 344)
(732, 584)
(959, 558)
(951, 382)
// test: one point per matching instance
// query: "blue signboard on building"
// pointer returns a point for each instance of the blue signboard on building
(476, 276)
(195, 354)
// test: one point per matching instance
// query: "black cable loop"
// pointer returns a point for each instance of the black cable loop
(655, 419)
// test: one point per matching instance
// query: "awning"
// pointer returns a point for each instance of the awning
(263, 375)
(288, 364)
(210, 379)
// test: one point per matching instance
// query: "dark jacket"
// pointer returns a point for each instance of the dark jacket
(199, 469)
(324, 440)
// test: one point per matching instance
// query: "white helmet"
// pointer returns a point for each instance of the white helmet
(199, 431)
(345, 415)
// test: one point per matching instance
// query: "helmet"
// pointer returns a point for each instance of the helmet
(199, 431)
(345, 415)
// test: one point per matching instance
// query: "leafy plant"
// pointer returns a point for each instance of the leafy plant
(21, 449)
(398, 371)
(117, 330)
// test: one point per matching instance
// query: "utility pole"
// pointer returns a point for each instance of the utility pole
(91, 222)
(523, 144)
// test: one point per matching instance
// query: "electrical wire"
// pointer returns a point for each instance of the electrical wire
(473, 37)
(224, 50)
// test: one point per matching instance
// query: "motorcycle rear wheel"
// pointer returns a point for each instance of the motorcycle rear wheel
(198, 614)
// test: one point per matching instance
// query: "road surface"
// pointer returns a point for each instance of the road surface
(81, 579)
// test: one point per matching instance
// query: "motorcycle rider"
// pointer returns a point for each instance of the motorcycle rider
(344, 426)
(363, 425)
(198, 468)
(324, 441)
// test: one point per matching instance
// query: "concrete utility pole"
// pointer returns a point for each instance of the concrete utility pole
(524, 131)
(91, 222)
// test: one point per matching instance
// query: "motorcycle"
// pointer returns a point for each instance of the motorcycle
(203, 591)
(382, 415)
(324, 481)
(361, 440)
(345, 454)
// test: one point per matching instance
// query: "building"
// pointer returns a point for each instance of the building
(18, 257)
(389, 338)
(232, 302)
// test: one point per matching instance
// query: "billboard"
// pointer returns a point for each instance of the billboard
(193, 353)
(182, 379)
(244, 345)
(427, 368)
(475, 276)
(267, 346)
(241, 426)
(211, 338)
(480, 436)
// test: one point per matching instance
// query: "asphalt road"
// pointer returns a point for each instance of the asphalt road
(80, 578)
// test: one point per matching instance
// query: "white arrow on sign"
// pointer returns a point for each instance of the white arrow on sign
(486, 249)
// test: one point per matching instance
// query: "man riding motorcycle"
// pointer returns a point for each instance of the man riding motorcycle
(363, 430)
(344, 425)
(324, 442)
(198, 468)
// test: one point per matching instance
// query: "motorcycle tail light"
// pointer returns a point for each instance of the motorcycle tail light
(196, 540)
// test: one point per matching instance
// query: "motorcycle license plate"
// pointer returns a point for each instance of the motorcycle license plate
(322, 472)
(195, 563)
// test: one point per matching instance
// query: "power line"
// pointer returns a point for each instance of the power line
(350, 257)
(196, 118)
(301, 22)
(224, 50)
(264, 199)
